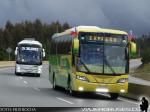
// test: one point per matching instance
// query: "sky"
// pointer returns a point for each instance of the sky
(117, 14)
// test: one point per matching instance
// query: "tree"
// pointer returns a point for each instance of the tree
(144, 46)
(13, 33)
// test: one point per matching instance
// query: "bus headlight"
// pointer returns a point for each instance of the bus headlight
(82, 78)
(18, 68)
(81, 89)
(39, 69)
(122, 90)
(123, 80)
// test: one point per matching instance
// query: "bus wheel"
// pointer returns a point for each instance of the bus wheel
(37, 75)
(17, 74)
(114, 96)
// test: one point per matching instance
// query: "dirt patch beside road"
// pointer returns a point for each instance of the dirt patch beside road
(142, 72)
(7, 63)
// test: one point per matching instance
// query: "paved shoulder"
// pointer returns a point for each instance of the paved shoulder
(138, 81)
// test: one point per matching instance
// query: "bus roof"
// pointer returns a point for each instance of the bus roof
(34, 42)
(90, 29)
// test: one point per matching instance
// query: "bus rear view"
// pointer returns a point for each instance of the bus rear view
(29, 54)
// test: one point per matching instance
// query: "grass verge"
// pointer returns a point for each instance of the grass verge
(142, 72)
(7, 63)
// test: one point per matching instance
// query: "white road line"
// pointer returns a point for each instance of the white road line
(123, 99)
(64, 100)
(37, 89)
(25, 82)
(21, 77)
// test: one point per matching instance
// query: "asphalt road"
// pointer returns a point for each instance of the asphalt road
(135, 63)
(28, 91)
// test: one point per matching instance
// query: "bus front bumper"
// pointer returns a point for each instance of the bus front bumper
(83, 86)
(28, 69)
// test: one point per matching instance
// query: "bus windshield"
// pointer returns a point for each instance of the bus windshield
(102, 57)
(29, 55)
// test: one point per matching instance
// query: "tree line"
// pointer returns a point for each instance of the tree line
(11, 34)
(143, 47)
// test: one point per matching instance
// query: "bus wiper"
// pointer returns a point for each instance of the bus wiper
(110, 67)
(87, 69)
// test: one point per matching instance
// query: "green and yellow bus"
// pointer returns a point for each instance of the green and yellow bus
(90, 59)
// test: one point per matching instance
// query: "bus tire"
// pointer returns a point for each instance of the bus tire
(114, 96)
(17, 74)
(38, 75)
(54, 83)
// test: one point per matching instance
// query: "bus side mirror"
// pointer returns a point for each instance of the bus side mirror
(132, 48)
(43, 53)
(76, 46)
(16, 50)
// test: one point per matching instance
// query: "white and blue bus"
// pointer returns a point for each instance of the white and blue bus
(29, 55)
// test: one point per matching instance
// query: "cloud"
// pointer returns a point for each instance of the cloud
(120, 14)
(128, 14)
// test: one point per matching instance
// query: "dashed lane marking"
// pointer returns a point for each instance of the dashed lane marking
(21, 77)
(64, 100)
(25, 82)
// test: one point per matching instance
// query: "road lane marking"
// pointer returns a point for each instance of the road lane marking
(21, 77)
(123, 99)
(25, 82)
(64, 100)
(35, 88)
(120, 98)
